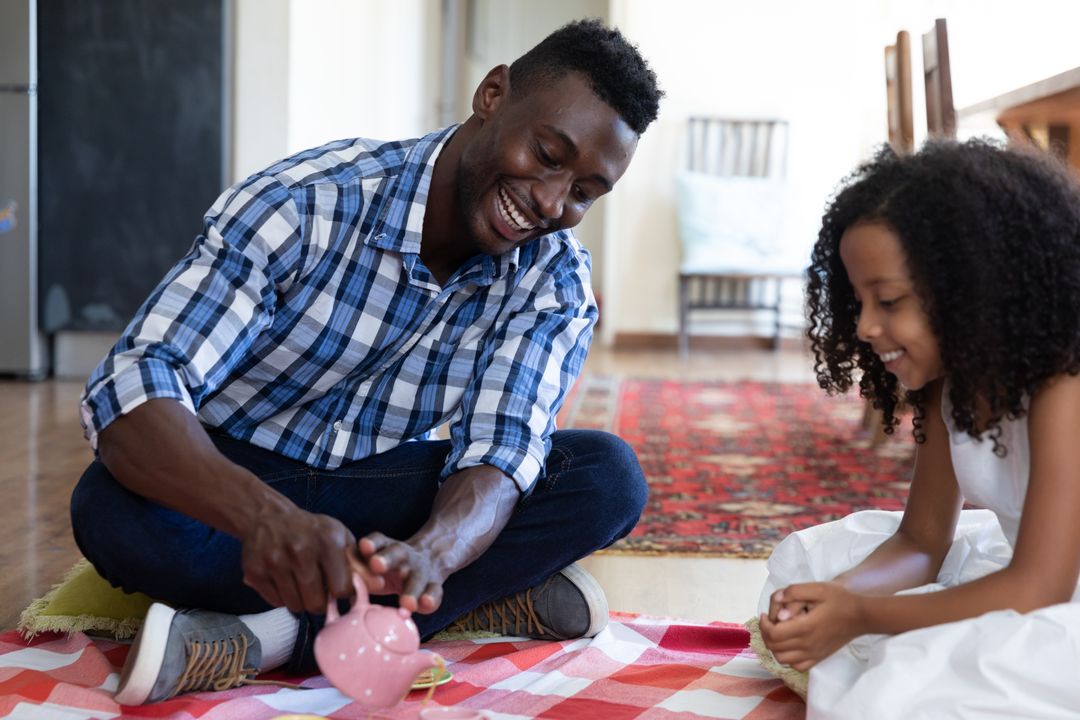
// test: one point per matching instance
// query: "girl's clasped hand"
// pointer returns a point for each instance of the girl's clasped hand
(809, 622)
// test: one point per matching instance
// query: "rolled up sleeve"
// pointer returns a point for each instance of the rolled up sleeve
(202, 318)
(509, 408)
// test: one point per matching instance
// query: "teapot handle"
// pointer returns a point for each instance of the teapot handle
(361, 599)
(331, 611)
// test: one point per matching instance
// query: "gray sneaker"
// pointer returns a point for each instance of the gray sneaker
(180, 651)
(569, 604)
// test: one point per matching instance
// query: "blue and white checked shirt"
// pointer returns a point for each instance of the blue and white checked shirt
(303, 321)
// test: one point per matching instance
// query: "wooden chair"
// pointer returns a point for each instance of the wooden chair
(940, 112)
(901, 128)
(898, 93)
(736, 170)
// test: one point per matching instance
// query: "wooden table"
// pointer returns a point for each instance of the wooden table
(1046, 113)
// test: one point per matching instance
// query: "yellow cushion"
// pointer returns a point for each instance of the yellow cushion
(85, 602)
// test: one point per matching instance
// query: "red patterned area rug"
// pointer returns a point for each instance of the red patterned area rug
(733, 468)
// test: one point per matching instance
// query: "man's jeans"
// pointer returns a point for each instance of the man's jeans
(591, 494)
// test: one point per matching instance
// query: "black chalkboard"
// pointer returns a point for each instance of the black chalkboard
(131, 132)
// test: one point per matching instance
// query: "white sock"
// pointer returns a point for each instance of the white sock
(276, 630)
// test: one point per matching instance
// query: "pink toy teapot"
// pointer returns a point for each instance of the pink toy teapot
(372, 653)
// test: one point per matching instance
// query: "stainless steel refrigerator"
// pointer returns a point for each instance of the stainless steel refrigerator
(22, 345)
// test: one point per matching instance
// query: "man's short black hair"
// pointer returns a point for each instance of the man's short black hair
(614, 68)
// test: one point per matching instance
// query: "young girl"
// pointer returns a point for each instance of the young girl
(949, 280)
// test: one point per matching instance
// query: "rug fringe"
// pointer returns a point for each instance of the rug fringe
(32, 622)
(120, 629)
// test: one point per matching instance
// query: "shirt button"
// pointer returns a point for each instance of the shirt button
(337, 426)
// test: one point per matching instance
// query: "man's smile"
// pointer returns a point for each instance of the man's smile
(511, 212)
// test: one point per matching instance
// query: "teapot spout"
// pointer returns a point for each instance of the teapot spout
(421, 661)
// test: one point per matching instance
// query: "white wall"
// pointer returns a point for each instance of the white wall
(819, 64)
(260, 84)
(311, 71)
(361, 68)
(308, 71)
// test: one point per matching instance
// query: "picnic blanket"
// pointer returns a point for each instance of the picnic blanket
(638, 667)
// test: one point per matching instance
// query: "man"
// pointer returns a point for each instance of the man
(273, 399)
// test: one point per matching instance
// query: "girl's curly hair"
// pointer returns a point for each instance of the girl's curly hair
(992, 241)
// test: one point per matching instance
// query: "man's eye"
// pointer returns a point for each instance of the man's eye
(545, 157)
(581, 195)
(888, 303)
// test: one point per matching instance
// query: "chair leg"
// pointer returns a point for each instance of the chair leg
(776, 315)
(868, 413)
(874, 423)
(684, 313)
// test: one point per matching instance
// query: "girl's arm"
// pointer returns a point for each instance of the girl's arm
(915, 552)
(1046, 561)
(1043, 571)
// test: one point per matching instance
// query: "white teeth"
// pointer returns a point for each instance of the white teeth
(510, 213)
(890, 356)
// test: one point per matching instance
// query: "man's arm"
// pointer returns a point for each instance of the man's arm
(471, 508)
(291, 557)
(139, 406)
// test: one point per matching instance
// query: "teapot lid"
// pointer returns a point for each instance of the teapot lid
(393, 628)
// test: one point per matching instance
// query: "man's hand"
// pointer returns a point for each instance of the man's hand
(405, 571)
(470, 510)
(300, 560)
(807, 623)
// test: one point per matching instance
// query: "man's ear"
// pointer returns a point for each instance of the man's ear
(492, 90)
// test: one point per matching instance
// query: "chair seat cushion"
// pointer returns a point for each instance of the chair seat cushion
(733, 223)
(735, 262)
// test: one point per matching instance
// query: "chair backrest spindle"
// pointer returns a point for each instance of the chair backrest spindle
(940, 112)
(733, 147)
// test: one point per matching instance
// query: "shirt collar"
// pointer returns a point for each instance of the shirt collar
(400, 223)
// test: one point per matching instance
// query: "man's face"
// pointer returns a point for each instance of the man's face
(539, 161)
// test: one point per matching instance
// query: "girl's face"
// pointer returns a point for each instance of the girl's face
(891, 317)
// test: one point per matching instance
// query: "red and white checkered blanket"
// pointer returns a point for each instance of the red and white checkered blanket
(639, 667)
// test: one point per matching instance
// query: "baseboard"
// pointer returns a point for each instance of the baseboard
(670, 341)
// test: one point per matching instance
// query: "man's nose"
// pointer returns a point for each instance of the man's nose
(550, 196)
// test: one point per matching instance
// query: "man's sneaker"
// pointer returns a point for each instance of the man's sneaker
(179, 651)
(569, 604)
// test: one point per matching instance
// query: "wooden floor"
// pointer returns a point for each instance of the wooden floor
(42, 455)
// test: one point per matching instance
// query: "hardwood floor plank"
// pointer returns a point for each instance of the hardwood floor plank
(42, 455)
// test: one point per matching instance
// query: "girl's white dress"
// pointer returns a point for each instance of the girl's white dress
(1000, 665)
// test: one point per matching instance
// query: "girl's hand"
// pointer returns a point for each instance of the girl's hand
(834, 617)
(780, 609)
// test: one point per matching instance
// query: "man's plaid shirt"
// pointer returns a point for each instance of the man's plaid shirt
(302, 321)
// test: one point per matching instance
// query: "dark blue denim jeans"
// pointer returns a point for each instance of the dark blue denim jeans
(591, 494)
